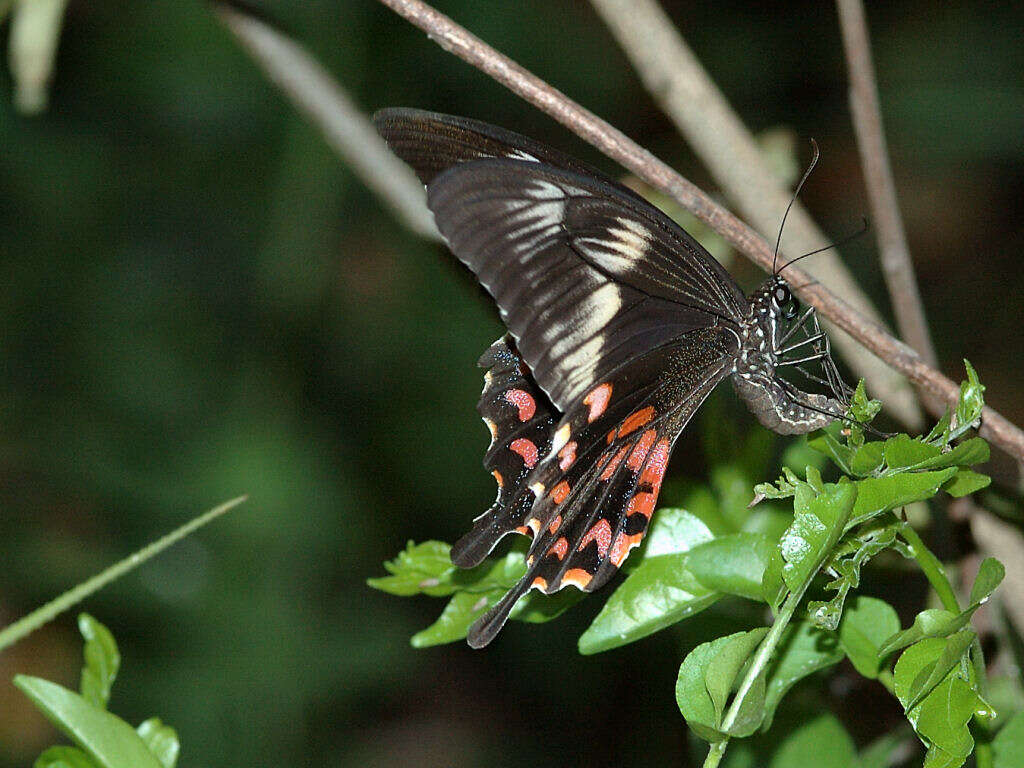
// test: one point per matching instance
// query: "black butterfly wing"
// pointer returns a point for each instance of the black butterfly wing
(585, 277)
(431, 143)
(593, 494)
(521, 422)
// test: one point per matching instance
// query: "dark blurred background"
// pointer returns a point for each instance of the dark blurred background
(199, 300)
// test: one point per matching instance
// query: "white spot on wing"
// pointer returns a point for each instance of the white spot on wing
(560, 439)
(589, 319)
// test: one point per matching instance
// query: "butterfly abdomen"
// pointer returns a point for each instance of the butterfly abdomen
(521, 420)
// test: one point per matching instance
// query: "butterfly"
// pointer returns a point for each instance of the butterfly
(620, 325)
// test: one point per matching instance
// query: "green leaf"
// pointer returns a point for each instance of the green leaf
(971, 402)
(876, 495)
(821, 743)
(903, 451)
(706, 678)
(657, 594)
(827, 443)
(845, 563)
(862, 408)
(660, 591)
(732, 489)
(462, 610)
(804, 650)
(953, 654)
(773, 588)
(940, 432)
(940, 719)
(161, 739)
(818, 522)
(102, 660)
(990, 576)
(930, 623)
(674, 530)
(107, 739)
(1008, 745)
(421, 569)
(965, 482)
(867, 459)
(64, 757)
(965, 454)
(866, 624)
(732, 564)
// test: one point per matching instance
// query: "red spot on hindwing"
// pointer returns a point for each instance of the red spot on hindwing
(555, 524)
(643, 447)
(567, 456)
(559, 492)
(498, 478)
(559, 548)
(598, 399)
(612, 465)
(524, 401)
(601, 532)
(636, 420)
(525, 448)
(657, 463)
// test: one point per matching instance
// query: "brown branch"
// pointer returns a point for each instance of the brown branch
(892, 240)
(617, 146)
(685, 92)
(318, 96)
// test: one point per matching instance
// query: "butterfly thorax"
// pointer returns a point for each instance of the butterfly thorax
(778, 405)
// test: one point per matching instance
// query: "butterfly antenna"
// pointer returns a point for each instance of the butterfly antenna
(796, 194)
(852, 236)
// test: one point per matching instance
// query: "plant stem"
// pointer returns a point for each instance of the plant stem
(932, 569)
(758, 664)
(886, 679)
(19, 629)
(716, 753)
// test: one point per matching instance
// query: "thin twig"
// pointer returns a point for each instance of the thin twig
(317, 95)
(620, 148)
(874, 156)
(681, 86)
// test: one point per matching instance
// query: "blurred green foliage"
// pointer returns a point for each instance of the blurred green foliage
(199, 301)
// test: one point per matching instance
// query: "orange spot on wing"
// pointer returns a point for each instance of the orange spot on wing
(497, 476)
(601, 532)
(642, 503)
(554, 525)
(636, 420)
(525, 448)
(559, 492)
(643, 447)
(559, 548)
(612, 465)
(598, 401)
(657, 463)
(567, 456)
(611, 436)
(524, 401)
(539, 583)
(577, 577)
(524, 530)
(623, 544)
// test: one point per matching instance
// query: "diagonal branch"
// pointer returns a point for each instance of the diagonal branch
(892, 240)
(681, 86)
(620, 148)
(346, 128)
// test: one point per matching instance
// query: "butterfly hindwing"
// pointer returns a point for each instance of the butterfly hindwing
(594, 502)
(520, 420)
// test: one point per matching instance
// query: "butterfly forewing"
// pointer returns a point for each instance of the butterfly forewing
(585, 278)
